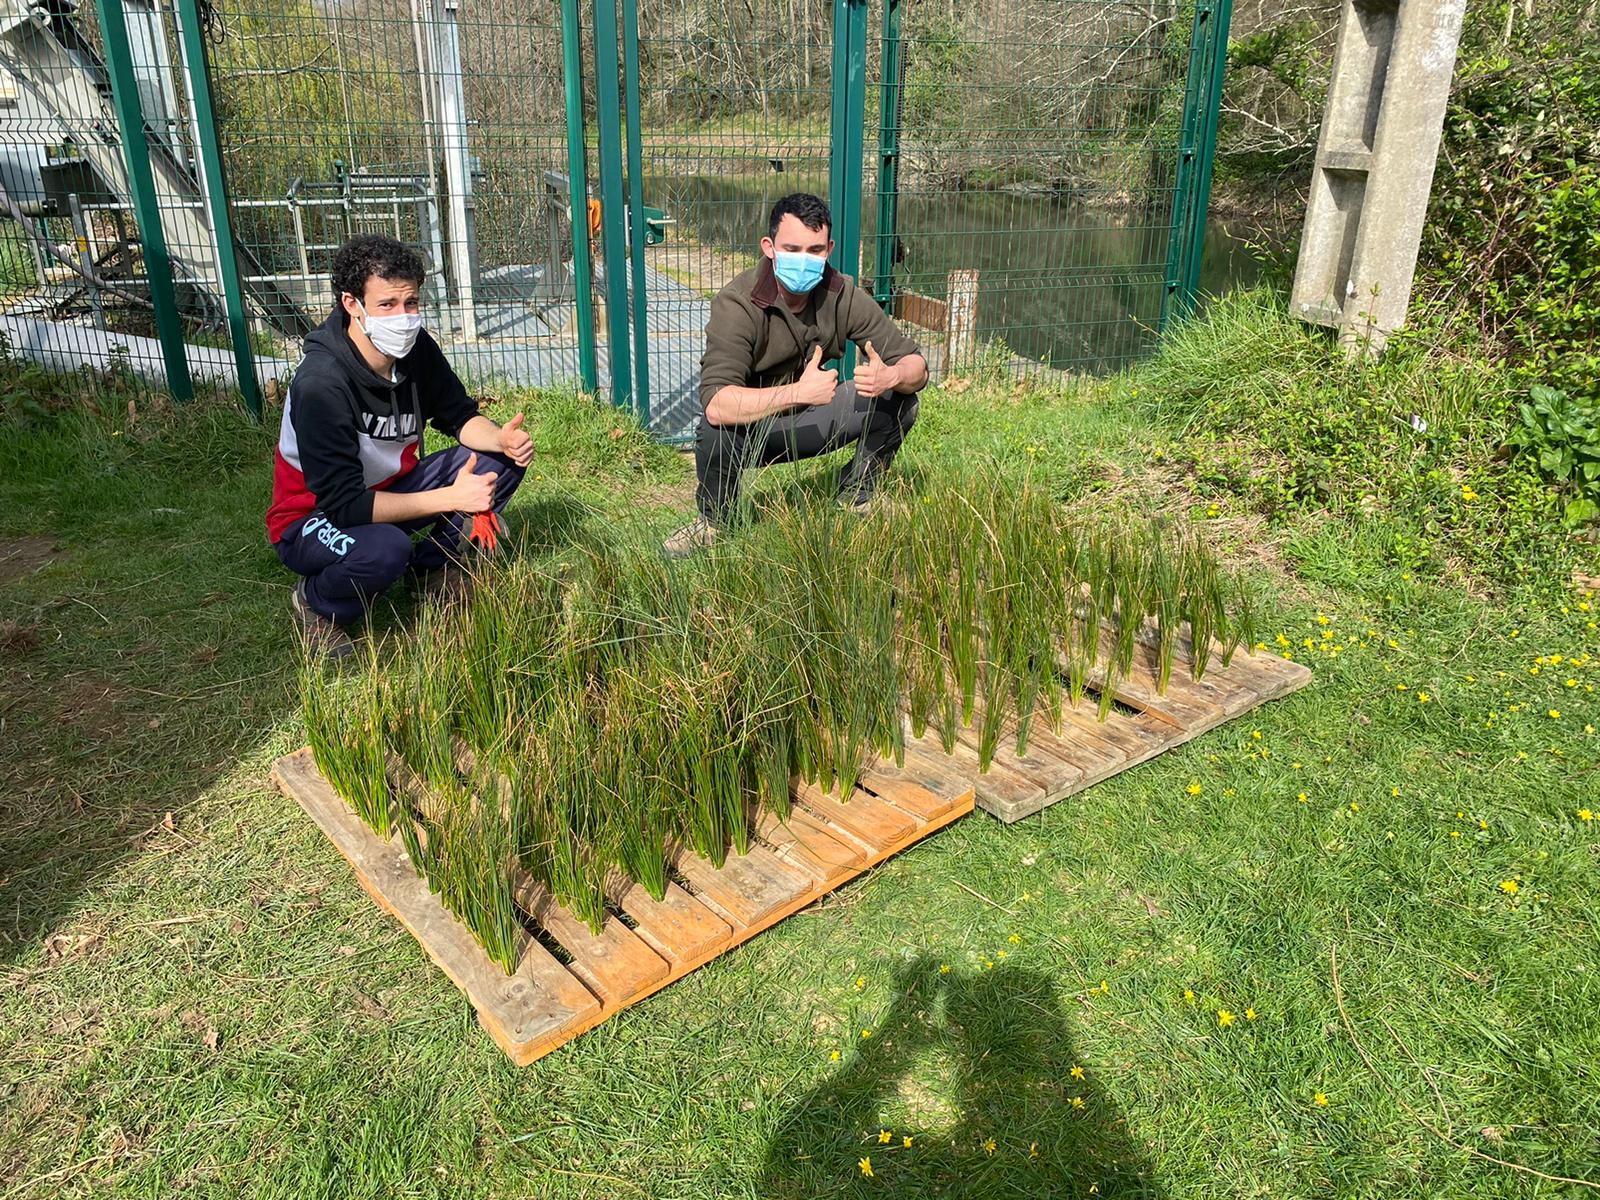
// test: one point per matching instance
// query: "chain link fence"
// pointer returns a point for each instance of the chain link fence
(1017, 185)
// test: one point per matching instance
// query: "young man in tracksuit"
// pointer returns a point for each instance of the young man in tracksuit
(767, 398)
(349, 486)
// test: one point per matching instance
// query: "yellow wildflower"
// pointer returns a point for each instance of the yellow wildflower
(944, 968)
(861, 982)
(1015, 940)
(1249, 1014)
(866, 1033)
(1224, 1018)
(834, 1057)
(1193, 789)
(1320, 1100)
(988, 1145)
(1304, 799)
(1510, 887)
(906, 1141)
(1188, 993)
(1033, 1149)
(1555, 714)
(1354, 807)
(1077, 1102)
(1076, 1072)
(885, 1137)
(1585, 814)
(866, 1166)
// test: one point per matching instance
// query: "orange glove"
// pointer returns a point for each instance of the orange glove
(485, 531)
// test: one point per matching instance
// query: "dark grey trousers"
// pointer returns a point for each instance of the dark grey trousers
(721, 453)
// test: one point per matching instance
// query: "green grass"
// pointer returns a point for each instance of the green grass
(197, 999)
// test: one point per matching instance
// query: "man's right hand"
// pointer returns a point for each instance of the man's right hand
(471, 492)
(815, 385)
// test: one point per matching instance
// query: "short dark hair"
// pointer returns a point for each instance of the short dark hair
(369, 254)
(812, 211)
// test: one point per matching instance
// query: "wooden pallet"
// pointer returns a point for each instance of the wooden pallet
(1143, 723)
(548, 1001)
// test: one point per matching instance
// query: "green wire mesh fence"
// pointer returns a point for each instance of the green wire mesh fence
(1023, 187)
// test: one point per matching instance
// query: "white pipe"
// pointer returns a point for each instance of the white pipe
(458, 170)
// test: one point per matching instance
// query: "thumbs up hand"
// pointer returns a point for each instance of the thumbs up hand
(874, 377)
(815, 385)
(515, 443)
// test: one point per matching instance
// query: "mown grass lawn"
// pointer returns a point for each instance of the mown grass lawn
(1344, 946)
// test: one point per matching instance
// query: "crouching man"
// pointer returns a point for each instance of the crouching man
(765, 394)
(349, 488)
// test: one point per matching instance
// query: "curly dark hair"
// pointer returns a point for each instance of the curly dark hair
(812, 211)
(359, 259)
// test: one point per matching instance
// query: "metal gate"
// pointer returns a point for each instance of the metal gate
(1023, 187)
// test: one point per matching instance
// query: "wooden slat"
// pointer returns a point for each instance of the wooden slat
(885, 781)
(802, 819)
(1007, 794)
(926, 766)
(809, 847)
(614, 963)
(747, 888)
(540, 1001)
(677, 927)
(878, 824)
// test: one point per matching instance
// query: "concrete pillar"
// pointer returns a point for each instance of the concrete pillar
(1380, 136)
(961, 339)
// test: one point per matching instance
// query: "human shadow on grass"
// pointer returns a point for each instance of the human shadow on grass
(976, 1069)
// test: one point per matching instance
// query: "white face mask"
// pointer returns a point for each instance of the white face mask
(394, 335)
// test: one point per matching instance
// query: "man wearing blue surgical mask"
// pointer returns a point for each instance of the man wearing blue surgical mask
(767, 396)
(350, 484)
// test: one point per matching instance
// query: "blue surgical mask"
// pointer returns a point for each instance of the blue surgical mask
(798, 272)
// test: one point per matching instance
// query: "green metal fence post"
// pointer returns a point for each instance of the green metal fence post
(892, 91)
(848, 119)
(141, 183)
(216, 189)
(613, 208)
(578, 192)
(1197, 144)
(641, 329)
(1206, 146)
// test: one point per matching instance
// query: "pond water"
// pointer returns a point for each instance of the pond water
(1062, 282)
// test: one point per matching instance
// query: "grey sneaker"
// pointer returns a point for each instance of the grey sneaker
(322, 636)
(694, 537)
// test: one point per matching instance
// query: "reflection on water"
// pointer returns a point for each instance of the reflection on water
(1061, 282)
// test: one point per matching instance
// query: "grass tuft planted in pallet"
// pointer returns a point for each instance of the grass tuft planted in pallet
(817, 691)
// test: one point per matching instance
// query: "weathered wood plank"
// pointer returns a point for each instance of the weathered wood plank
(614, 964)
(870, 819)
(540, 1001)
(747, 888)
(677, 927)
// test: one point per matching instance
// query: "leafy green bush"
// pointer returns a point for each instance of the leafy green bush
(1512, 246)
(1264, 407)
(1564, 435)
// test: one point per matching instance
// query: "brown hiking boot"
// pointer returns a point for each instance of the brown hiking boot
(446, 584)
(694, 537)
(322, 637)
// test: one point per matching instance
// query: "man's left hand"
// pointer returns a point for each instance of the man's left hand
(515, 443)
(874, 377)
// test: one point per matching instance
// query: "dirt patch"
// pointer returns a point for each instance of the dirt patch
(21, 557)
(17, 639)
